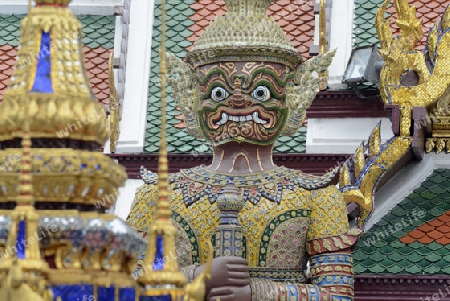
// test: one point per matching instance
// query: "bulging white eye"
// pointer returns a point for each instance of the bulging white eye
(261, 93)
(219, 94)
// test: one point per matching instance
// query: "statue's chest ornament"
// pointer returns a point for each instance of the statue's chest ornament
(197, 183)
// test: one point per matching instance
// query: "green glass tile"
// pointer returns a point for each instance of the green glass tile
(406, 250)
(413, 195)
(378, 256)
(405, 262)
(444, 206)
(398, 234)
(428, 195)
(413, 269)
(441, 263)
(359, 256)
(359, 268)
(423, 262)
(407, 206)
(446, 258)
(415, 245)
(393, 237)
(420, 189)
(415, 257)
(436, 211)
(397, 244)
(431, 270)
(369, 262)
(396, 257)
(438, 189)
(433, 257)
(396, 269)
(429, 183)
(387, 262)
(377, 269)
(438, 248)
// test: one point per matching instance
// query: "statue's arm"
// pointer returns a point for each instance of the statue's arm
(329, 243)
(331, 279)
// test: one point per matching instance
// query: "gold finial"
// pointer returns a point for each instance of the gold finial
(323, 42)
(163, 205)
(25, 186)
(156, 270)
(162, 233)
(114, 115)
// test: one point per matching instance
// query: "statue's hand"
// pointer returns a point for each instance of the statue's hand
(230, 273)
(230, 293)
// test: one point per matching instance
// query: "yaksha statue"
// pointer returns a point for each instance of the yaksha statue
(240, 87)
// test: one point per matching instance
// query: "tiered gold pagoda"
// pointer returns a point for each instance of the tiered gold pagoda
(57, 241)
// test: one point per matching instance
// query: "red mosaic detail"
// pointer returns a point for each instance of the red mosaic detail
(97, 61)
(436, 230)
(7, 61)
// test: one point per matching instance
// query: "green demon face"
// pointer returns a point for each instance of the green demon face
(243, 102)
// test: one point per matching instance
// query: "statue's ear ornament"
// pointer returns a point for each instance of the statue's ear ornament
(304, 88)
(182, 79)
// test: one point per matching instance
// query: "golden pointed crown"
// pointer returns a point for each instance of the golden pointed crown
(65, 106)
(245, 33)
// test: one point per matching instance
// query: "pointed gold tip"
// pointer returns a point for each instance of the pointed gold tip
(375, 142)
(359, 160)
(163, 210)
(344, 177)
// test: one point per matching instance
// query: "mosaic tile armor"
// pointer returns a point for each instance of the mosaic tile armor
(288, 218)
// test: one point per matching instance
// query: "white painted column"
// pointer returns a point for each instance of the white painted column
(126, 198)
(341, 38)
(134, 114)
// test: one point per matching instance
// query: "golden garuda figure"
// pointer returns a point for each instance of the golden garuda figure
(241, 87)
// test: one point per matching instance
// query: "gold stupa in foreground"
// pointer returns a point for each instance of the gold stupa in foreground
(57, 240)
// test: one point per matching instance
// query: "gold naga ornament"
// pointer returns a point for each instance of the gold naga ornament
(56, 186)
(431, 67)
(360, 174)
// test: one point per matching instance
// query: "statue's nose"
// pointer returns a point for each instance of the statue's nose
(239, 101)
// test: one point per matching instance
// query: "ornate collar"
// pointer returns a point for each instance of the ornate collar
(198, 182)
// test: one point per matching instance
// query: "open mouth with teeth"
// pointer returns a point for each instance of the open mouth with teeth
(256, 124)
(226, 117)
(221, 117)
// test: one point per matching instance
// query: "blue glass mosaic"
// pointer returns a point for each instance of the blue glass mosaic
(43, 81)
(106, 293)
(20, 245)
(158, 264)
(76, 292)
(127, 294)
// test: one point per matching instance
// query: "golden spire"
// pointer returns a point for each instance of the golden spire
(323, 42)
(164, 211)
(25, 219)
(162, 233)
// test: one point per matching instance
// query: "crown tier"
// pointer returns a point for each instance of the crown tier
(50, 73)
(245, 33)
